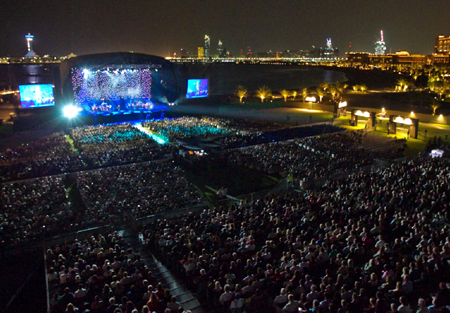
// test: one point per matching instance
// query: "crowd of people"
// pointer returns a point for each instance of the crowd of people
(257, 136)
(372, 242)
(140, 189)
(52, 154)
(108, 137)
(310, 158)
(33, 209)
(186, 127)
(94, 147)
(104, 275)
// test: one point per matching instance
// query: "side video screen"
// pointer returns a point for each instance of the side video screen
(197, 88)
(36, 96)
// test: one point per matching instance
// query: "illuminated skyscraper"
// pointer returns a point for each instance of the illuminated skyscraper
(380, 46)
(328, 52)
(207, 45)
(29, 39)
(220, 48)
(200, 52)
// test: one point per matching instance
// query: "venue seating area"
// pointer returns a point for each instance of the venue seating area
(312, 157)
(96, 146)
(367, 243)
(100, 275)
(33, 209)
(374, 239)
(52, 154)
(107, 137)
(140, 189)
(186, 127)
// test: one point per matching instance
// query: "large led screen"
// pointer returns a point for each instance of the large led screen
(111, 84)
(36, 96)
(197, 88)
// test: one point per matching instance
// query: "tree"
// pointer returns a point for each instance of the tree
(434, 106)
(341, 87)
(304, 93)
(285, 94)
(319, 93)
(241, 92)
(324, 85)
(333, 91)
(294, 94)
(263, 92)
(403, 83)
(355, 87)
(362, 87)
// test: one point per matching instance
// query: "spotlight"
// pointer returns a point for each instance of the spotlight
(71, 111)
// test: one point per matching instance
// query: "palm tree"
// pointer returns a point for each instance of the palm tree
(341, 87)
(304, 93)
(320, 93)
(241, 92)
(324, 85)
(434, 106)
(294, 94)
(263, 92)
(285, 94)
(333, 91)
(403, 83)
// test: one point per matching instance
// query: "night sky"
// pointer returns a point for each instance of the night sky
(161, 27)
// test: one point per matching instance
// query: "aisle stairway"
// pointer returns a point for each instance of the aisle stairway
(162, 274)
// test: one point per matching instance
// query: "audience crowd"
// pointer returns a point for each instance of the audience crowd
(108, 137)
(103, 275)
(186, 127)
(49, 155)
(98, 146)
(372, 242)
(32, 209)
(257, 137)
(312, 157)
(140, 189)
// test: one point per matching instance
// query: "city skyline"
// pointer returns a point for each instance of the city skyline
(85, 27)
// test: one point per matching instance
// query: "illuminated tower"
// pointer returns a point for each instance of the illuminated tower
(380, 46)
(29, 39)
(207, 45)
(30, 53)
(328, 52)
(220, 49)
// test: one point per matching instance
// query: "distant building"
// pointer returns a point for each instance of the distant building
(400, 57)
(380, 46)
(30, 53)
(328, 51)
(442, 45)
(207, 45)
(441, 55)
(220, 49)
(200, 52)
(249, 53)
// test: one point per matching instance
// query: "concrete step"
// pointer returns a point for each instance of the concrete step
(192, 304)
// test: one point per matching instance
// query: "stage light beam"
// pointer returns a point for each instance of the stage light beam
(71, 111)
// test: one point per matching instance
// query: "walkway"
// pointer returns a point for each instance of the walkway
(161, 273)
